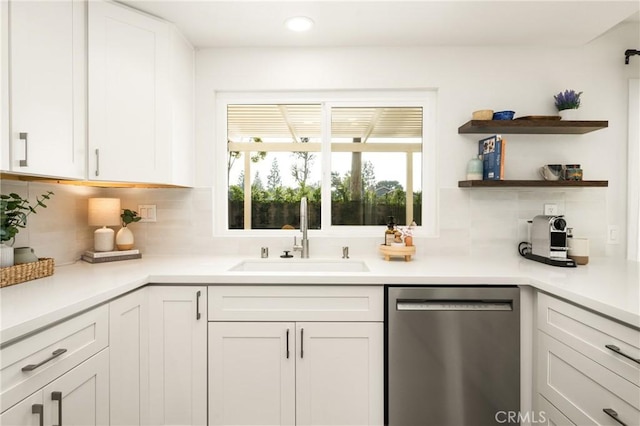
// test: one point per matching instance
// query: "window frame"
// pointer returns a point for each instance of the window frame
(424, 98)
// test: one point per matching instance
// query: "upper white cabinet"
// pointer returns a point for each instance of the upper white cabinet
(182, 110)
(129, 95)
(44, 73)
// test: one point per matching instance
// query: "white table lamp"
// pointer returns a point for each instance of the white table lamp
(104, 212)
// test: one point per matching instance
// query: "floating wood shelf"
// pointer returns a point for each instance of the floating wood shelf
(531, 183)
(534, 127)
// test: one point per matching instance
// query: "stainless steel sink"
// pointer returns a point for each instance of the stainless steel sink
(300, 265)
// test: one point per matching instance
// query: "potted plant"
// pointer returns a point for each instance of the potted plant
(567, 103)
(124, 237)
(14, 211)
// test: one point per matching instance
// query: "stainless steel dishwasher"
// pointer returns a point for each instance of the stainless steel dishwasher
(452, 355)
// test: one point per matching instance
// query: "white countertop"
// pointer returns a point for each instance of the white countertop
(608, 286)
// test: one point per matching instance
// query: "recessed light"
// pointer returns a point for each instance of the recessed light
(299, 23)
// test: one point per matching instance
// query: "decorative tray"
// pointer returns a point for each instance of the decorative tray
(397, 251)
(539, 117)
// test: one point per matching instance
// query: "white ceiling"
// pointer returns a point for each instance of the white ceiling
(240, 23)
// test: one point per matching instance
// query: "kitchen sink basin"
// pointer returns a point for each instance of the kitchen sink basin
(300, 265)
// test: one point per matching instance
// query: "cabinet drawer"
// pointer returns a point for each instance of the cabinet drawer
(296, 303)
(581, 388)
(549, 415)
(30, 363)
(590, 333)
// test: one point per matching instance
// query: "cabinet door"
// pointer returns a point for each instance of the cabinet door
(27, 412)
(47, 84)
(129, 359)
(251, 373)
(339, 374)
(178, 355)
(129, 105)
(81, 396)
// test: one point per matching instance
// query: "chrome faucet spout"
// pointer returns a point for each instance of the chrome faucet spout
(303, 248)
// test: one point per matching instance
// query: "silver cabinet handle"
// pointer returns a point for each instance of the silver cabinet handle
(611, 413)
(302, 343)
(97, 162)
(57, 396)
(617, 350)
(25, 138)
(198, 305)
(287, 343)
(54, 355)
(39, 410)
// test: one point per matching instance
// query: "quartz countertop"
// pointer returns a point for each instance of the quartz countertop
(608, 286)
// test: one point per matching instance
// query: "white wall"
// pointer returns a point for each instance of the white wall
(467, 78)
(471, 221)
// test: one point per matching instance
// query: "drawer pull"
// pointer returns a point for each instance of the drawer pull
(39, 410)
(287, 343)
(57, 396)
(302, 343)
(198, 305)
(618, 351)
(611, 413)
(54, 354)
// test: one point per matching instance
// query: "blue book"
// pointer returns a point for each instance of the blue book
(492, 151)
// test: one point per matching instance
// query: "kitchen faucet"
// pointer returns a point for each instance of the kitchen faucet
(303, 248)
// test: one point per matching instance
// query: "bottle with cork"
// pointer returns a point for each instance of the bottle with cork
(390, 232)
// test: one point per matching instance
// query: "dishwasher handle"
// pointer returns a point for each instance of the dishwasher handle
(453, 305)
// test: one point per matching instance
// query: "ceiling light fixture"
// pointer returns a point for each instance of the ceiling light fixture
(299, 23)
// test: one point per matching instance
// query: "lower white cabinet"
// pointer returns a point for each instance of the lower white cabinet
(79, 397)
(129, 359)
(177, 355)
(327, 371)
(587, 366)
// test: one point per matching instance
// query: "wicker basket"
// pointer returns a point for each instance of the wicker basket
(26, 272)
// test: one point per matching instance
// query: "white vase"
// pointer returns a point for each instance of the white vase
(569, 114)
(124, 239)
(6, 255)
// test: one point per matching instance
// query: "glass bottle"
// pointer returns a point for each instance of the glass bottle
(389, 233)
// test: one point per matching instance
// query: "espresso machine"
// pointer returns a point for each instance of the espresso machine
(548, 241)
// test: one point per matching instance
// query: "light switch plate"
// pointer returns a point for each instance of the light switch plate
(550, 209)
(613, 234)
(147, 212)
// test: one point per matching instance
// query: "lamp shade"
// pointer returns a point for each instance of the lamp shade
(104, 211)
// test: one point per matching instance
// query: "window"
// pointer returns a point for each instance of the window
(357, 161)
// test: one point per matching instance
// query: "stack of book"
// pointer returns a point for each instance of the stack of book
(110, 256)
(492, 150)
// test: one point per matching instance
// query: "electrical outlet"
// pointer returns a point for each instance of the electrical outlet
(551, 209)
(147, 212)
(613, 234)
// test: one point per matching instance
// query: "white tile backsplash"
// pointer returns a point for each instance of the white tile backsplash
(472, 221)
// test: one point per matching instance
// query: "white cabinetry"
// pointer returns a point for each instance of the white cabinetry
(129, 95)
(588, 367)
(318, 358)
(178, 355)
(59, 375)
(129, 359)
(182, 110)
(47, 89)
